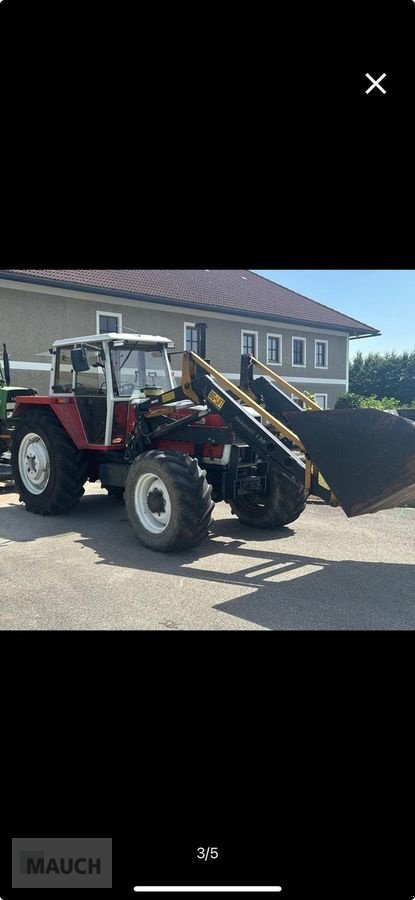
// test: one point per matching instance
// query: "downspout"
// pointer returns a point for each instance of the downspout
(347, 363)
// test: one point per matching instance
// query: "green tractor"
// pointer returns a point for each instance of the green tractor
(8, 395)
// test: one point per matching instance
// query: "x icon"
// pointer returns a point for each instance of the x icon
(375, 83)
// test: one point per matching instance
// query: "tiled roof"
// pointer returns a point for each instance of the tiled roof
(227, 290)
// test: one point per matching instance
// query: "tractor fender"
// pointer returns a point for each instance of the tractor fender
(64, 408)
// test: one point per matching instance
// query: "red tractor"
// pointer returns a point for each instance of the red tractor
(115, 414)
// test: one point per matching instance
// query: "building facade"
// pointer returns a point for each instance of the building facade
(298, 338)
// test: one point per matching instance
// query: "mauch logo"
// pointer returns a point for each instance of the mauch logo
(62, 862)
(33, 862)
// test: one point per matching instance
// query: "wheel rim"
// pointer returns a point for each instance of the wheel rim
(34, 463)
(152, 503)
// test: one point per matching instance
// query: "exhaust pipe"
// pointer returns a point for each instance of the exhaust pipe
(6, 365)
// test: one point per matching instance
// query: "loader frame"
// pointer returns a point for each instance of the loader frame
(252, 445)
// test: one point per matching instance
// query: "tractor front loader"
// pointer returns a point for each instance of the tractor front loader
(173, 451)
(366, 456)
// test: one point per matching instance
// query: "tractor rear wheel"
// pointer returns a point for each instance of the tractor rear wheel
(49, 471)
(282, 504)
(168, 500)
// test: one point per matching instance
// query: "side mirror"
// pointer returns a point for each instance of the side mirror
(79, 360)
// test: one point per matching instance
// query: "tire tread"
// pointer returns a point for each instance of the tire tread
(286, 502)
(71, 471)
(192, 515)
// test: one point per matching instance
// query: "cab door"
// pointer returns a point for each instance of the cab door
(91, 397)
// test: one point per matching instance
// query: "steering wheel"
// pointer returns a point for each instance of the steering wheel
(127, 389)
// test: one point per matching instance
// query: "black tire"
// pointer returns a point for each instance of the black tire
(68, 466)
(283, 503)
(188, 495)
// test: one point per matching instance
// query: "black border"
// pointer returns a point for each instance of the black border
(309, 729)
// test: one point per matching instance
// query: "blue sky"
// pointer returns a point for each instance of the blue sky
(384, 299)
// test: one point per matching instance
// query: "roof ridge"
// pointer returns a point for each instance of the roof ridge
(219, 289)
(304, 296)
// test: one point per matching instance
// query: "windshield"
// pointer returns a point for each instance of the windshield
(137, 369)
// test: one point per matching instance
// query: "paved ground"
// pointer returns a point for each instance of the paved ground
(87, 571)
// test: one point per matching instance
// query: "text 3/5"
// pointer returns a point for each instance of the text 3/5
(206, 853)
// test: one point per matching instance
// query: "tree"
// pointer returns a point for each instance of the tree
(348, 401)
(391, 375)
(356, 401)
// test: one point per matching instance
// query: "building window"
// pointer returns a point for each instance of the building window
(108, 322)
(321, 354)
(321, 399)
(274, 342)
(298, 351)
(190, 337)
(249, 342)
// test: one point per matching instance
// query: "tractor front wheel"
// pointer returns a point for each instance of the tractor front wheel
(282, 504)
(168, 500)
(48, 470)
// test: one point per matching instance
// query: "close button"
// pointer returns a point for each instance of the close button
(375, 83)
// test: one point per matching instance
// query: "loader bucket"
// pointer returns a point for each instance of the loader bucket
(366, 456)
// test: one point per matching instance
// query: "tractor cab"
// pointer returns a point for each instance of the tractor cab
(104, 373)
